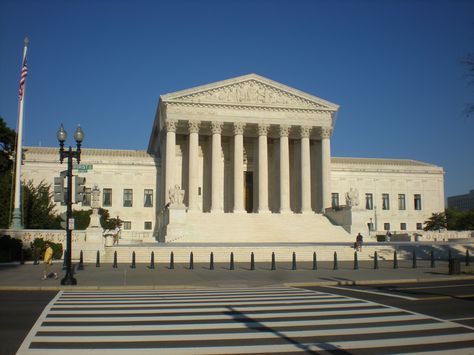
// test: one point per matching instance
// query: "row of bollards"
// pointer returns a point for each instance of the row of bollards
(273, 262)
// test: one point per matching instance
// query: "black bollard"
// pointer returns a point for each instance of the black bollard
(171, 261)
(293, 266)
(211, 262)
(414, 260)
(252, 261)
(36, 261)
(22, 257)
(81, 262)
(432, 259)
(152, 260)
(335, 266)
(115, 260)
(467, 257)
(133, 266)
(356, 262)
(273, 261)
(315, 261)
(231, 261)
(97, 260)
(376, 261)
(191, 261)
(395, 260)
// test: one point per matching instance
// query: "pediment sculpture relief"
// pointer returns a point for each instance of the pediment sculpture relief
(249, 92)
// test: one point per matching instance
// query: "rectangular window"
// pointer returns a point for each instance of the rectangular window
(417, 202)
(127, 197)
(419, 226)
(148, 198)
(403, 226)
(148, 225)
(107, 197)
(385, 201)
(386, 226)
(87, 197)
(401, 202)
(335, 200)
(127, 225)
(369, 201)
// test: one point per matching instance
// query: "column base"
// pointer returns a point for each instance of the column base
(286, 211)
(264, 211)
(239, 211)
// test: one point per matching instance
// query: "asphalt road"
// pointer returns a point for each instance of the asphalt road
(451, 300)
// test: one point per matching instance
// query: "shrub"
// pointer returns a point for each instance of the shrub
(38, 247)
(10, 248)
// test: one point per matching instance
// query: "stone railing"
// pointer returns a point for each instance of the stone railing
(442, 236)
(27, 236)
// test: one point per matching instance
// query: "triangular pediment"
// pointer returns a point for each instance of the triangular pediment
(250, 90)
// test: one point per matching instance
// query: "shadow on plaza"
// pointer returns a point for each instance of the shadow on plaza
(253, 324)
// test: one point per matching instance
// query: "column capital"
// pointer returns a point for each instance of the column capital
(305, 131)
(171, 125)
(263, 129)
(239, 128)
(284, 130)
(193, 126)
(325, 132)
(216, 127)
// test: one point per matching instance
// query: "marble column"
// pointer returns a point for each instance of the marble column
(305, 170)
(193, 127)
(262, 168)
(170, 159)
(216, 173)
(326, 167)
(284, 170)
(239, 167)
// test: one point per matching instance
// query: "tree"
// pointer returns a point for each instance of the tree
(469, 62)
(38, 208)
(7, 146)
(437, 221)
(460, 220)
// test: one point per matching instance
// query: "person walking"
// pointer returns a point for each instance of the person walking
(48, 261)
(359, 240)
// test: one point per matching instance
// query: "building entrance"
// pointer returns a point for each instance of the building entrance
(248, 178)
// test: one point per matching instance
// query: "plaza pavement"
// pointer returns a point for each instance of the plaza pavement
(14, 276)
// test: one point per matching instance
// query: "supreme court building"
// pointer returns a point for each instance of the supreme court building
(249, 160)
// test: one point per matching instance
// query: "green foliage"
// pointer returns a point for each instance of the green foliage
(106, 222)
(5, 199)
(38, 208)
(82, 218)
(436, 222)
(38, 246)
(460, 220)
(10, 248)
(7, 146)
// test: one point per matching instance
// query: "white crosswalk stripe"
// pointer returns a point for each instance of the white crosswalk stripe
(234, 321)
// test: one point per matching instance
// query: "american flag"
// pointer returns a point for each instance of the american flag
(24, 73)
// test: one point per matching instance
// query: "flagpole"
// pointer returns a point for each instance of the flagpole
(16, 222)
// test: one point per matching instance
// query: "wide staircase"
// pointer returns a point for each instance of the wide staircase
(254, 228)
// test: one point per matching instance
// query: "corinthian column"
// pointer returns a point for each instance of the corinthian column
(239, 167)
(170, 157)
(326, 167)
(284, 170)
(216, 175)
(193, 127)
(262, 168)
(305, 170)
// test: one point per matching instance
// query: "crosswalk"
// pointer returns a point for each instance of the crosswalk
(235, 321)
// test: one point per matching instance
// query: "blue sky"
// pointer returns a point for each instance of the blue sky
(394, 67)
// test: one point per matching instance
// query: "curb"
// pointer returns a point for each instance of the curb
(192, 287)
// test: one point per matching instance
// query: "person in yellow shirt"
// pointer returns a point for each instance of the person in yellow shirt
(48, 261)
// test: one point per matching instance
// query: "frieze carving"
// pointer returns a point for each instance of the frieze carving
(216, 127)
(325, 132)
(305, 131)
(250, 92)
(193, 126)
(239, 128)
(263, 129)
(284, 130)
(171, 125)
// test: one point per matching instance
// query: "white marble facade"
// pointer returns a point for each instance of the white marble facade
(250, 147)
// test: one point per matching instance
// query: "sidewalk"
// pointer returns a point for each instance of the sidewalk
(28, 277)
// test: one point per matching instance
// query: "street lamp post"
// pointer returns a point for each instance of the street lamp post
(69, 154)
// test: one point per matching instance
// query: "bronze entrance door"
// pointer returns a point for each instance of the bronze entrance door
(248, 191)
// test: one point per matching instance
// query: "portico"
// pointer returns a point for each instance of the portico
(245, 145)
